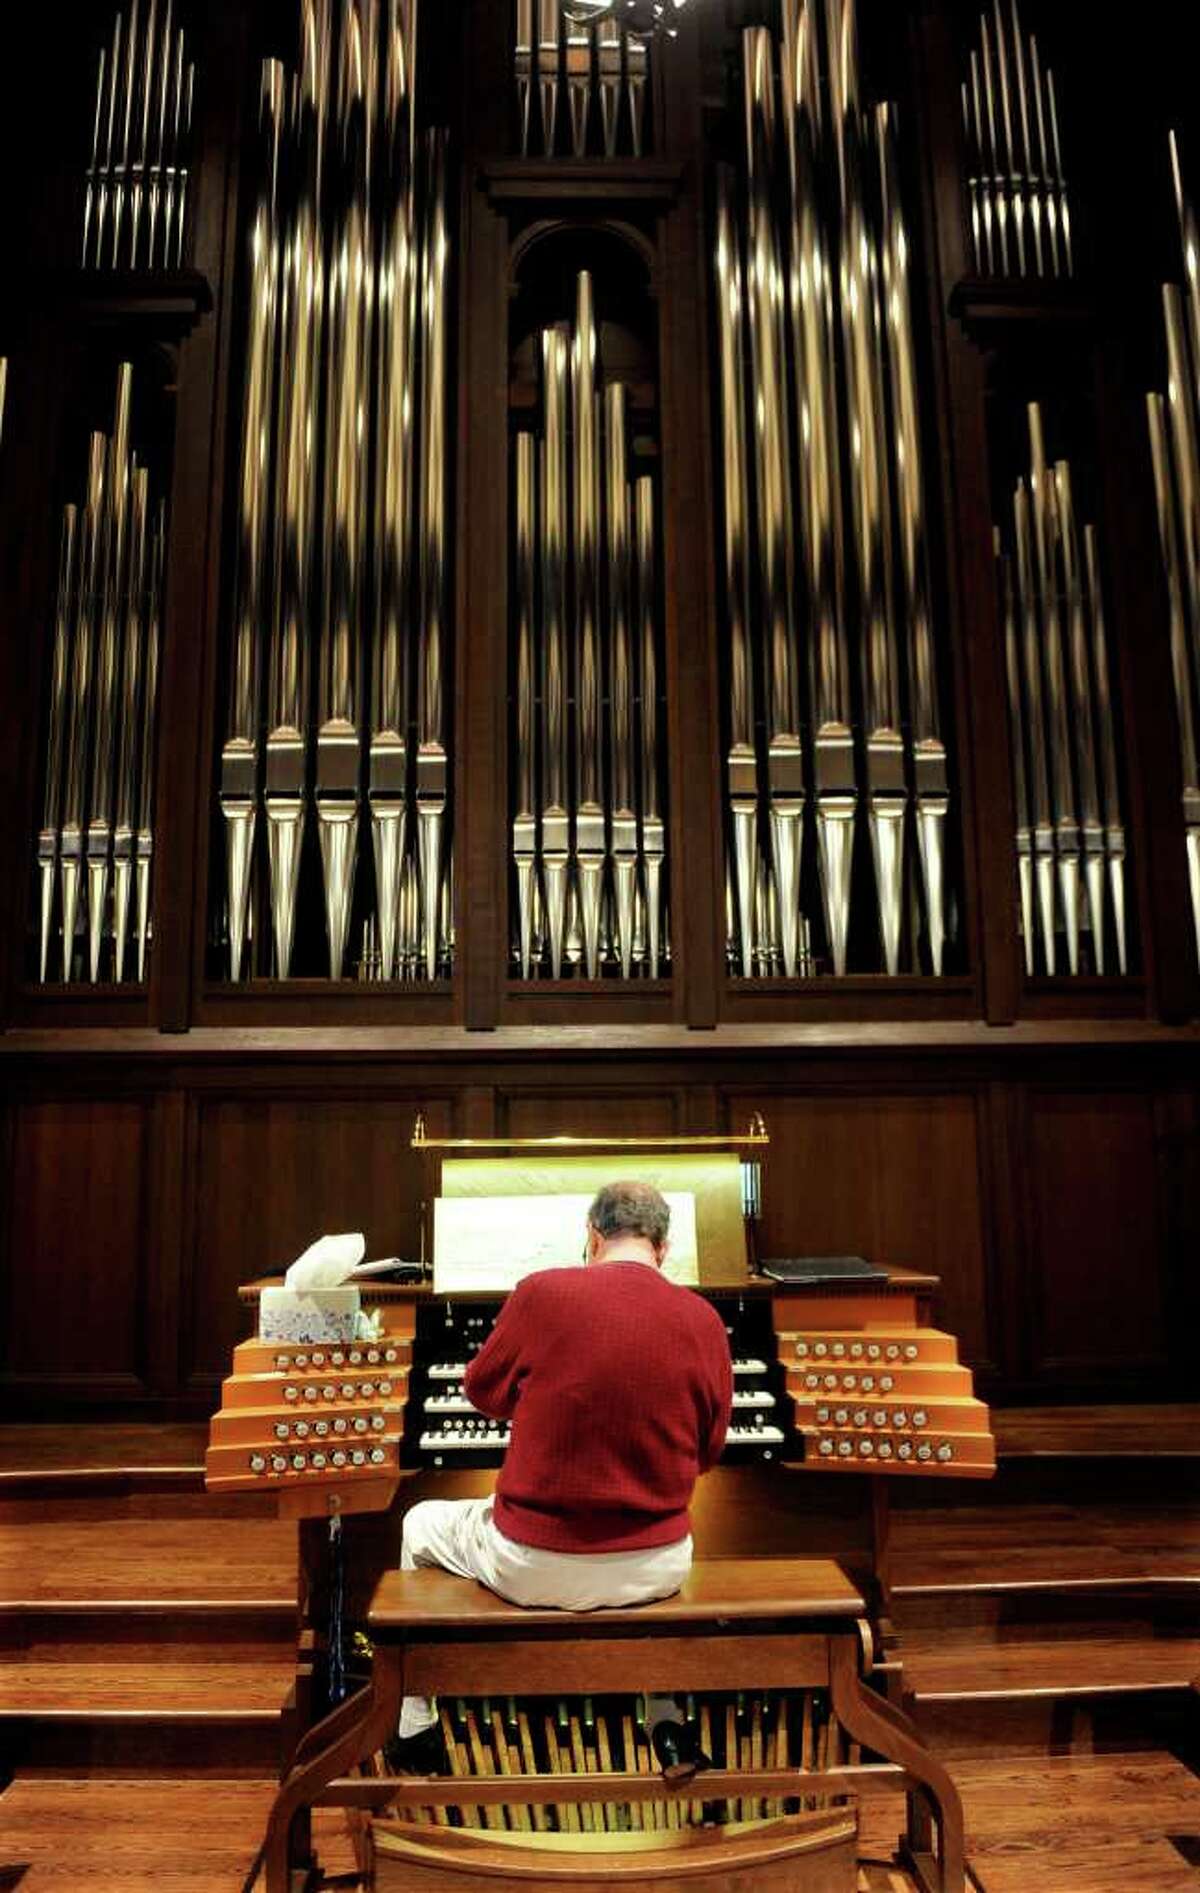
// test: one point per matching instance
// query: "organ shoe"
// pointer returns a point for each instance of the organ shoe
(421, 1754)
(678, 1752)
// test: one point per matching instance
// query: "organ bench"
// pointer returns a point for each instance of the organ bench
(757, 1624)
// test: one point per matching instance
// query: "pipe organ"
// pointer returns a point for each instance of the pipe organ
(1020, 211)
(136, 194)
(824, 525)
(95, 845)
(582, 71)
(1174, 424)
(843, 1378)
(340, 665)
(588, 836)
(1070, 838)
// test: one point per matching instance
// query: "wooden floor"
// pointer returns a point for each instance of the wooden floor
(1049, 1626)
(1087, 1825)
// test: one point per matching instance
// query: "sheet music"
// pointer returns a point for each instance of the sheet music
(487, 1244)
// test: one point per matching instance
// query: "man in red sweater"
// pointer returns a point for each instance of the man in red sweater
(618, 1385)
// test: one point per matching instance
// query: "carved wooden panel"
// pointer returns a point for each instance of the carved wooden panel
(1097, 1247)
(75, 1245)
(893, 1178)
(273, 1174)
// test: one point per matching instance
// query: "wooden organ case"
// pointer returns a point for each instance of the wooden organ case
(847, 1378)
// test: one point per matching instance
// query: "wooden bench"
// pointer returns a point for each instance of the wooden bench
(768, 1623)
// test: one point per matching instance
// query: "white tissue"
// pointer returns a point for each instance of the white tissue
(326, 1263)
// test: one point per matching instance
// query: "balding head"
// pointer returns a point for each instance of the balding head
(629, 1213)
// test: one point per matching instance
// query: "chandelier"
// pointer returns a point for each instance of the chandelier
(642, 18)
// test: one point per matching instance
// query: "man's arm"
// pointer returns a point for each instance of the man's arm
(712, 1443)
(493, 1379)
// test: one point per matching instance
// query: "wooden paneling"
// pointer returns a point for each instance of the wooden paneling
(272, 1175)
(1097, 1245)
(75, 1245)
(893, 1178)
(592, 1114)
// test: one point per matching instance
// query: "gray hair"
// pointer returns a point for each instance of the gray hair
(631, 1209)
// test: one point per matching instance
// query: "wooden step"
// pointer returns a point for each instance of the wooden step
(1139, 1431)
(1058, 1666)
(993, 1612)
(145, 1548)
(52, 1449)
(985, 1542)
(1079, 1824)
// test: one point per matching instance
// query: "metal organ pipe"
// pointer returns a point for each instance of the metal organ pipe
(1070, 840)
(810, 302)
(765, 297)
(347, 425)
(432, 766)
(114, 579)
(133, 607)
(102, 702)
(741, 762)
(928, 748)
(141, 133)
(555, 822)
(623, 814)
(585, 528)
(848, 272)
(66, 630)
(344, 504)
(525, 815)
(588, 835)
(301, 325)
(239, 757)
(1174, 436)
(1015, 178)
(653, 832)
(395, 380)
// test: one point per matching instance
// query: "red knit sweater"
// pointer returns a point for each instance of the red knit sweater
(619, 1388)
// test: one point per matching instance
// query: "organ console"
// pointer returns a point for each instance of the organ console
(845, 1377)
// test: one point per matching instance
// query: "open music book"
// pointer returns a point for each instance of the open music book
(489, 1243)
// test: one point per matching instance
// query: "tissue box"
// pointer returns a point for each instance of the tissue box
(314, 1314)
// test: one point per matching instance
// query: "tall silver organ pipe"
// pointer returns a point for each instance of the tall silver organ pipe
(741, 782)
(113, 581)
(132, 658)
(240, 756)
(342, 571)
(1174, 424)
(1019, 208)
(653, 830)
(928, 748)
(136, 184)
(825, 328)
(772, 444)
(620, 689)
(525, 813)
(1070, 839)
(344, 498)
(585, 550)
(810, 303)
(870, 493)
(395, 377)
(555, 824)
(588, 830)
(302, 314)
(66, 631)
(432, 758)
(102, 701)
